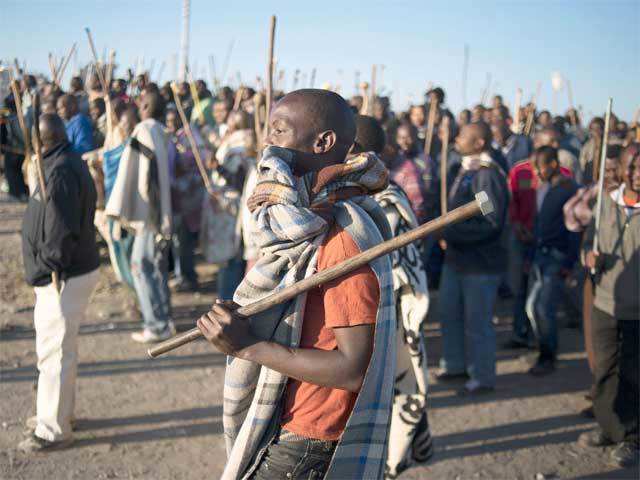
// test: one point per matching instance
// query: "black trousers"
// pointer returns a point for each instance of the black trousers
(13, 172)
(617, 361)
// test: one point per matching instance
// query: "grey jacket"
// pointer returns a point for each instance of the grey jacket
(618, 277)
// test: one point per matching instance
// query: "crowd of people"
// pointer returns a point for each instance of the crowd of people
(163, 172)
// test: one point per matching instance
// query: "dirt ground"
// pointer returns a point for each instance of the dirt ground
(161, 419)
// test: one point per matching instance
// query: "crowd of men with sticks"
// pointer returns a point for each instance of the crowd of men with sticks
(328, 219)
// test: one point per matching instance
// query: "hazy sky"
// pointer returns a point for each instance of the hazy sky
(594, 44)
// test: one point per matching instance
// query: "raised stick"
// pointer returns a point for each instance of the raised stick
(516, 110)
(272, 34)
(23, 125)
(373, 89)
(443, 166)
(312, 80)
(103, 81)
(64, 64)
(603, 158)
(192, 141)
(238, 98)
(431, 120)
(481, 204)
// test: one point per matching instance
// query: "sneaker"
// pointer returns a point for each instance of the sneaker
(515, 343)
(543, 366)
(625, 455)
(32, 422)
(587, 412)
(443, 376)
(181, 285)
(34, 444)
(147, 336)
(594, 438)
(473, 388)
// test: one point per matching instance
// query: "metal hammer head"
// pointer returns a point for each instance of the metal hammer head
(485, 204)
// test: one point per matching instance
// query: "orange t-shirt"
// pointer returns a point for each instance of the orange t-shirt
(322, 412)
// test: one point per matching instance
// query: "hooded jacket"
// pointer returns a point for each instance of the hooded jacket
(59, 236)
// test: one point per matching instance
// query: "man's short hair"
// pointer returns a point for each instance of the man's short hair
(485, 133)
(545, 155)
(370, 136)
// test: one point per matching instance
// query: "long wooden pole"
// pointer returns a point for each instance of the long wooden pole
(516, 127)
(272, 34)
(603, 158)
(481, 205)
(101, 78)
(431, 120)
(23, 124)
(443, 166)
(63, 67)
(373, 88)
(192, 141)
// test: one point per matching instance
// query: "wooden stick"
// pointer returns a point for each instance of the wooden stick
(485, 92)
(373, 89)
(312, 80)
(63, 67)
(570, 94)
(431, 120)
(52, 68)
(196, 98)
(23, 125)
(269, 96)
(192, 141)
(37, 146)
(238, 98)
(481, 205)
(516, 128)
(603, 158)
(226, 61)
(97, 62)
(443, 166)
(256, 121)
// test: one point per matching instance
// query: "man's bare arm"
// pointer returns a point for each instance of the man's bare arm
(343, 368)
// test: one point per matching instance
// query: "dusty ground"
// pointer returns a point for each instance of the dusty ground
(161, 419)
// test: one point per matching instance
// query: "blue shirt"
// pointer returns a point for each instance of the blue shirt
(80, 133)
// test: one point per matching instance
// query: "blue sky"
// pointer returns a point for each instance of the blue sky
(595, 44)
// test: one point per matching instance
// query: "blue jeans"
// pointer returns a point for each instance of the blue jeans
(465, 310)
(149, 265)
(291, 456)
(229, 277)
(547, 289)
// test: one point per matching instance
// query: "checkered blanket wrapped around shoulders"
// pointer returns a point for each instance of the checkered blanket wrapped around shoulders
(291, 218)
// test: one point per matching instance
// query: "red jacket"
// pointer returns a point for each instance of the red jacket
(523, 183)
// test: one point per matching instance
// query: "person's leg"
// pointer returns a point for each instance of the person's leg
(546, 307)
(451, 317)
(606, 347)
(229, 277)
(479, 297)
(149, 269)
(408, 406)
(188, 241)
(13, 173)
(57, 319)
(628, 399)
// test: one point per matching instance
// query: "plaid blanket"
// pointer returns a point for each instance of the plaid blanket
(292, 216)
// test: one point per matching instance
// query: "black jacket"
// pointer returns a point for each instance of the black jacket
(60, 236)
(549, 229)
(478, 245)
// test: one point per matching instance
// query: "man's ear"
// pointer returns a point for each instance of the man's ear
(325, 141)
